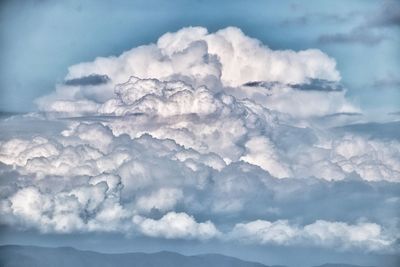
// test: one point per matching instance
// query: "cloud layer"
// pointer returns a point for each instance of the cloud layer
(205, 136)
(320, 233)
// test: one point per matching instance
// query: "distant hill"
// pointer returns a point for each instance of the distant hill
(31, 256)
(27, 256)
(338, 265)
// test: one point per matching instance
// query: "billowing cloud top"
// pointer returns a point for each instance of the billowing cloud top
(228, 56)
(222, 61)
(204, 136)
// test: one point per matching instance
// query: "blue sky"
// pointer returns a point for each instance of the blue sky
(41, 39)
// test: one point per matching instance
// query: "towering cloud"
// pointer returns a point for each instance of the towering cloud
(204, 136)
(193, 54)
(224, 60)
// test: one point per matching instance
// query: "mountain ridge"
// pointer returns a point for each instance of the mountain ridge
(65, 256)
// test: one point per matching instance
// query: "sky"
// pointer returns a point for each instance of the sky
(254, 129)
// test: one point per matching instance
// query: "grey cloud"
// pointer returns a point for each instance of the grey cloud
(388, 130)
(390, 81)
(344, 114)
(319, 85)
(302, 20)
(368, 32)
(320, 18)
(25, 126)
(389, 15)
(310, 85)
(358, 35)
(5, 114)
(339, 119)
(93, 79)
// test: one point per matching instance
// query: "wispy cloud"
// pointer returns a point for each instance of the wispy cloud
(357, 35)
(387, 16)
(369, 31)
(390, 81)
(309, 18)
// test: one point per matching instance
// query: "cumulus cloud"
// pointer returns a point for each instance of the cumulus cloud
(83, 208)
(369, 236)
(261, 152)
(227, 55)
(313, 99)
(222, 61)
(202, 136)
(72, 183)
(176, 225)
(372, 160)
(163, 200)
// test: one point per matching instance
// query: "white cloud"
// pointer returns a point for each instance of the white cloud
(263, 232)
(183, 138)
(116, 184)
(224, 60)
(197, 56)
(261, 152)
(164, 199)
(176, 225)
(18, 152)
(373, 160)
(315, 102)
(98, 207)
(188, 88)
(29, 203)
(340, 235)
